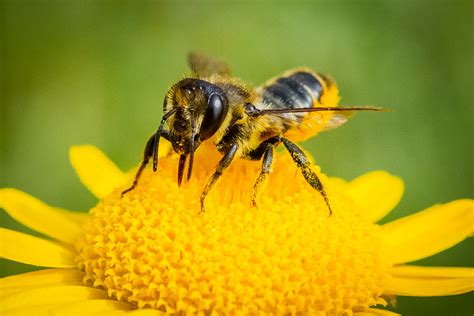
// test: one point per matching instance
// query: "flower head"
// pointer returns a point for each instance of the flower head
(153, 250)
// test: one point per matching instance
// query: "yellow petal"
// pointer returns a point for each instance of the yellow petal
(91, 306)
(146, 312)
(378, 312)
(43, 278)
(427, 286)
(43, 310)
(428, 232)
(134, 312)
(78, 217)
(50, 296)
(432, 272)
(33, 250)
(96, 171)
(338, 183)
(39, 216)
(377, 192)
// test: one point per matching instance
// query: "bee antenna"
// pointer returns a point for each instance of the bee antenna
(191, 147)
(156, 142)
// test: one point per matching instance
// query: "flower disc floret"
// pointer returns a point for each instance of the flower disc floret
(155, 249)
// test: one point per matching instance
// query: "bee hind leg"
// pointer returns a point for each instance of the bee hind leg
(223, 164)
(303, 163)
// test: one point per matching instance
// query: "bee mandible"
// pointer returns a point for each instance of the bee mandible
(243, 122)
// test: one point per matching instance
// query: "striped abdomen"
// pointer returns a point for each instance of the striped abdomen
(300, 88)
(296, 89)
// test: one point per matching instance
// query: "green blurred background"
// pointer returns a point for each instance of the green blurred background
(96, 72)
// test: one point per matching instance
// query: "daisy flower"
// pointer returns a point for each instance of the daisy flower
(152, 252)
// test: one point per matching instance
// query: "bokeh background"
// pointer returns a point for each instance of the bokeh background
(96, 72)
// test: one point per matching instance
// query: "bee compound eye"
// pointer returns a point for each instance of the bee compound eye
(213, 117)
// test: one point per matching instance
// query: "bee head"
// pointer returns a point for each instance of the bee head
(199, 109)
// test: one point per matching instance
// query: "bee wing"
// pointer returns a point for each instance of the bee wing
(325, 118)
(205, 66)
(334, 121)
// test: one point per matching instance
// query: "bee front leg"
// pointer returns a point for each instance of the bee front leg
(303, 163)
(223, 164)
(147, 155)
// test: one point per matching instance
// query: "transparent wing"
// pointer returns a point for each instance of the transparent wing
(317, 118)
(334, 121)
(205, 66)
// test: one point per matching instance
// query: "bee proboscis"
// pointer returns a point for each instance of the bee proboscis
(243, 122)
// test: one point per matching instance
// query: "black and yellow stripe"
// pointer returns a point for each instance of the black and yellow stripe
(298, 89)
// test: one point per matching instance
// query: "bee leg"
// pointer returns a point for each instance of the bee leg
(148, 153)
(303, 163)
(223, 164)
(266, 167)
(265, 150)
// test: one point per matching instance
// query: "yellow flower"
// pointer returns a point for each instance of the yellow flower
(152, 252)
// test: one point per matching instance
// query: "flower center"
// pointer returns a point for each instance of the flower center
(153, 248)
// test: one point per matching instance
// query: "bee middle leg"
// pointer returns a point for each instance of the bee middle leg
(223, 164)
(265, 150)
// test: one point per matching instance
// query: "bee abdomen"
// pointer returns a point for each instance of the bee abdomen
(300, 89)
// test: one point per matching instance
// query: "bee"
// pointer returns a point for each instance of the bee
(243, 122)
